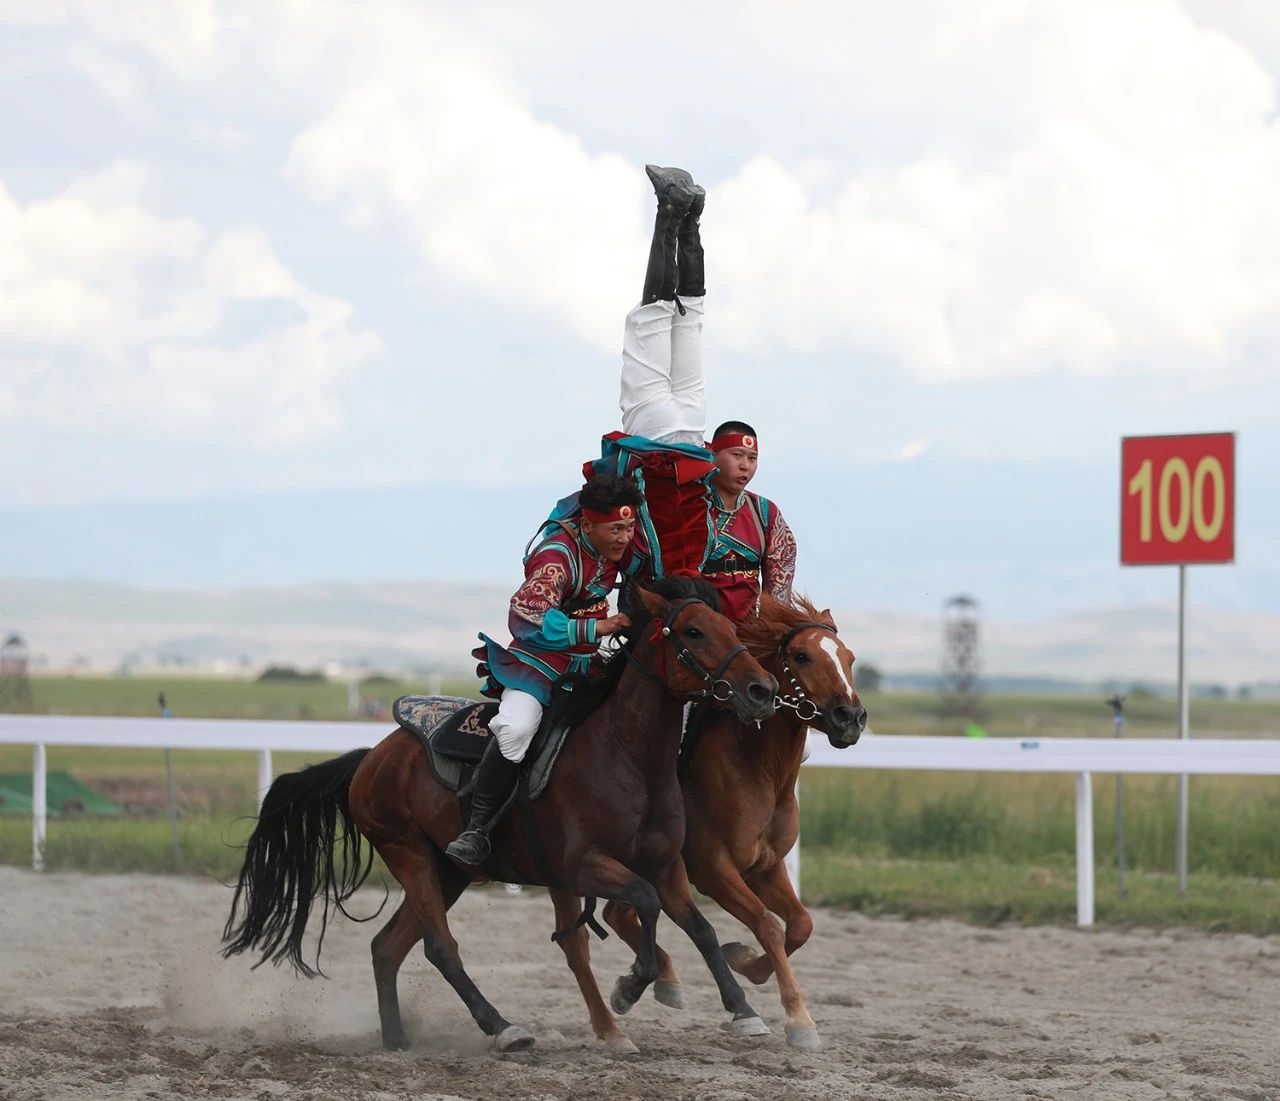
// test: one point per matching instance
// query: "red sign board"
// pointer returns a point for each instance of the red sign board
(1177, 499)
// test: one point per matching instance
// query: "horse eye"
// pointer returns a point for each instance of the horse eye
(692, 632)
(802, 658)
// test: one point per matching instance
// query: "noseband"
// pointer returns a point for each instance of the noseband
(806, 710)
(717, 688)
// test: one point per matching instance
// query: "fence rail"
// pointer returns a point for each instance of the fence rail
(1079, 756)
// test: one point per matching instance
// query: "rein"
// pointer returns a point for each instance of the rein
(799, 702)
(717, 688)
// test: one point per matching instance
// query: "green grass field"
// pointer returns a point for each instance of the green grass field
(980, 846)
(891, 713)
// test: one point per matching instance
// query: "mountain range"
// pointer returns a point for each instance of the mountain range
(431, 625)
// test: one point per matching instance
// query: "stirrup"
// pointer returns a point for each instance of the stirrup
(470, 847)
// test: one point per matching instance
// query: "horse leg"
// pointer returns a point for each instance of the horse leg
(392, 943)
(577, 950)
(604, 877)
(390, 946)
(667, 988)
(775, 890)
(733, 893)
(417, 867)
(677, 902)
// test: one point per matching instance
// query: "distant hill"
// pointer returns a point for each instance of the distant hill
(418, 625)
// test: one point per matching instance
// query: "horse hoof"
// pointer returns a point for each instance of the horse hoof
(748, 1026)
(619, 1047)
(619, 1001)
(804, 1039)
(396, 1042)
(670, 994)
(737, 955)
(513, 1038)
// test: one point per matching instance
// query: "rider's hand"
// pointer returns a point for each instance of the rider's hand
(611, 625)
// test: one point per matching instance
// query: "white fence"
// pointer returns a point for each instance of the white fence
(1079, 756)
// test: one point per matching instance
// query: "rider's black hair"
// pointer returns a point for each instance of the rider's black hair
(734, 426)
(608, 491)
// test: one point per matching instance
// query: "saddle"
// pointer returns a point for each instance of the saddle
(455, 731)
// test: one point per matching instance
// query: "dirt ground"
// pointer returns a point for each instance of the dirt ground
(111, 986)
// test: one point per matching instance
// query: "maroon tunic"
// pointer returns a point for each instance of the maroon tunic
(752, 549)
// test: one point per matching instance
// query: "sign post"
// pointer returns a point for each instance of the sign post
(1177, 507)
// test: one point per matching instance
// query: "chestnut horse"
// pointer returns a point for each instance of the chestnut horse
(740, 803)
(611, 822)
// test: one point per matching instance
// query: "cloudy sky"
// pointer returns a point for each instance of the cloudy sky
(308, 253)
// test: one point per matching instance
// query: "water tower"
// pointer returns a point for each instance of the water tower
(15, 683)
(960, 661)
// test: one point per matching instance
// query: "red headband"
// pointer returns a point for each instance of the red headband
(735, 439)
(615, 515)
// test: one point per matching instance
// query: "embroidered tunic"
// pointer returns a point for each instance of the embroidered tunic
(554, 614)
(675, 480)
(752, 548)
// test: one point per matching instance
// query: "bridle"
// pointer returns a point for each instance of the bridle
(799, 702)
(717, 688)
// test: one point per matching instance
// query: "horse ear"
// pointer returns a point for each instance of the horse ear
(827, 618)
(654, 604)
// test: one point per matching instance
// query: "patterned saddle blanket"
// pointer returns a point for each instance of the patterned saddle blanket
(455, 732)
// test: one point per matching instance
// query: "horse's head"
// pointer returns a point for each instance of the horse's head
(815, 667)
(697, 651)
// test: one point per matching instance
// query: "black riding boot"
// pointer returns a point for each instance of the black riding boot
(692, 281)
(676, 192)
(495, 777)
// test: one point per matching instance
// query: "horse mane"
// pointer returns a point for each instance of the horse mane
(775, 618)
(576, 695)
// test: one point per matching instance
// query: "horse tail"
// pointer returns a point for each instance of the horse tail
(304, 846)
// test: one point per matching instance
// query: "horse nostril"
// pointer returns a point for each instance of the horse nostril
(844, 715)
(861, 718)
(758, 692)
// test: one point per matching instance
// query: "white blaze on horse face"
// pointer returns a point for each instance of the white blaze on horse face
(832, 649)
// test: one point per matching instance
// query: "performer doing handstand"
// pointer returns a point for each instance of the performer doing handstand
(704, 518)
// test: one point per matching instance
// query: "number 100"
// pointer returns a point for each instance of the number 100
(1177, 482)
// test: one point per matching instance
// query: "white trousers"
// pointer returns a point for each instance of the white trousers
(516, 723)
(663, 395)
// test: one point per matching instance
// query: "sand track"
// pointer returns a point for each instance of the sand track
(111, 986)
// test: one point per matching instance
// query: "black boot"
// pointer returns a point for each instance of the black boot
(495, 777)
(676, 193)
(692, 280)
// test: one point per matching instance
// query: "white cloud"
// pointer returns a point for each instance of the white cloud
(1129, 221)
(118, 81)
(1078, 185)
(183, 37)
(128, 318)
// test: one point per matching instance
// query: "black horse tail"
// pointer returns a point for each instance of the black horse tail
(299, 851)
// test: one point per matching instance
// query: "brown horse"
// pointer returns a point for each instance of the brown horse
(740, 803)
(611, 823)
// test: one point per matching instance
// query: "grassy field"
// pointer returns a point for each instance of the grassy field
(213, 698)
(983, 847)
(891, 713)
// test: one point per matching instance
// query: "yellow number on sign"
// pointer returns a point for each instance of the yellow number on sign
(1209, 467)
(1191, 504)
(1140, 483)
(1175, 468)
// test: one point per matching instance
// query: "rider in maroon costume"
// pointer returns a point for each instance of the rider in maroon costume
(752, 548)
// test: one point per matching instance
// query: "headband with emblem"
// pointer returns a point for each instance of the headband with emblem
(735, 439)
(615, 515)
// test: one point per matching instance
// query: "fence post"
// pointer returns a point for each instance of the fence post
(1084, 850)
(264, 774)
(39, 805)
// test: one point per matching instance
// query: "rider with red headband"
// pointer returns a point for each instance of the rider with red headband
(558, 618)
(752, 548)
